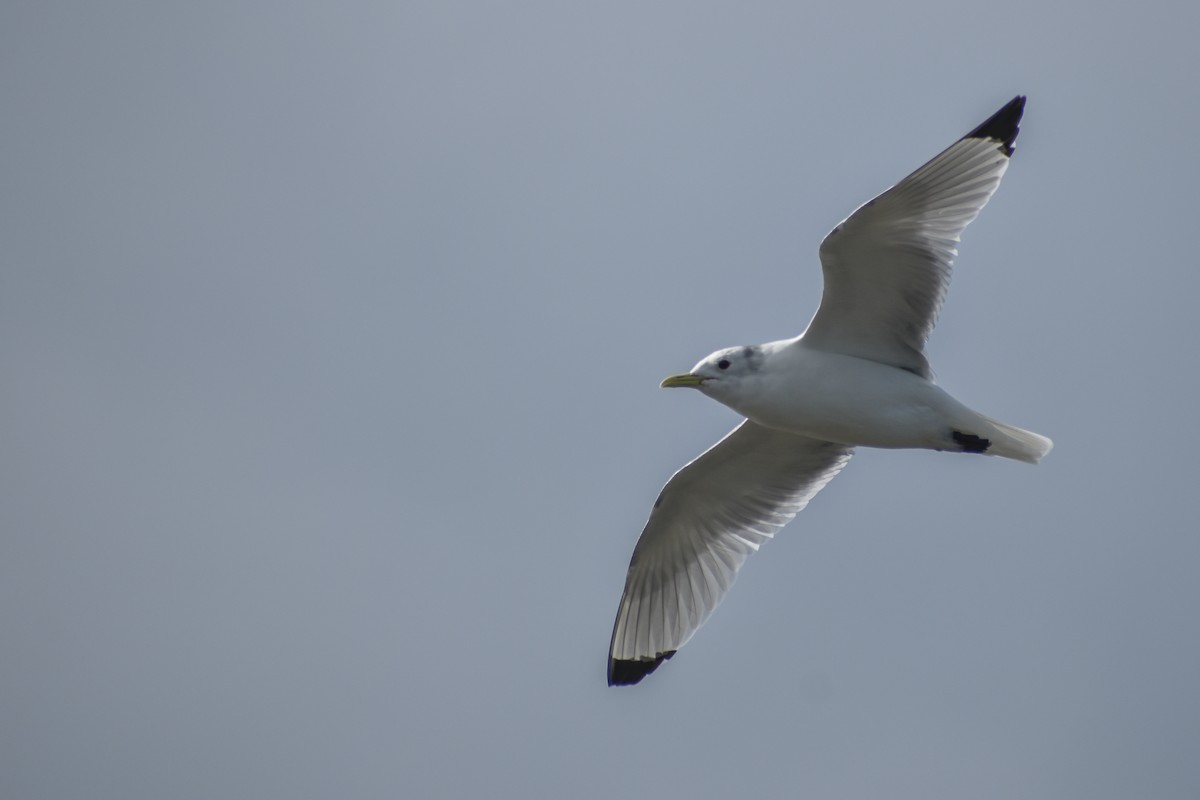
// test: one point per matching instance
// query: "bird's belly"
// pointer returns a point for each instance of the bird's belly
(858, 402)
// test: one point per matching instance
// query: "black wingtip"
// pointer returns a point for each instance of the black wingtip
(623, 672)
(1002, 126)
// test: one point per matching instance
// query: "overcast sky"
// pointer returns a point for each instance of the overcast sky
(331, 336)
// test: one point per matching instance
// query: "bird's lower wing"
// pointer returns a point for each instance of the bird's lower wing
(711, 515)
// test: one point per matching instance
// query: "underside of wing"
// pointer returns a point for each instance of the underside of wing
(711, 515)
(887, 266)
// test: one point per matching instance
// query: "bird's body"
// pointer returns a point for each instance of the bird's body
(857, 376)
(845, 399)
(801, 389)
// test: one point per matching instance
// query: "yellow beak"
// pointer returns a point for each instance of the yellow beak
(684, 381)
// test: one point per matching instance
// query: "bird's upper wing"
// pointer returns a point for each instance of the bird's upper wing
(887, 265)
(711, 515)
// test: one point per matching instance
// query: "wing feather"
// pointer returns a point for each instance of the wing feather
(887, 266)
(711, 515)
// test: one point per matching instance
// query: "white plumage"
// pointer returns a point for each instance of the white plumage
(858, 376)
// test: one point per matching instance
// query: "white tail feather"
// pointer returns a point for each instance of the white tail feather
(1009, 441)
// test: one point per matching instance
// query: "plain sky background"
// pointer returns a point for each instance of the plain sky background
(331, 336)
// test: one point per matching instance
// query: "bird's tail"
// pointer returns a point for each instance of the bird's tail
(1008, 441)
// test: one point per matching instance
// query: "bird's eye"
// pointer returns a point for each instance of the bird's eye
(723, 363)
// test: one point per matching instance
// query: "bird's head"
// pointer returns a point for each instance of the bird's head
(719, 373)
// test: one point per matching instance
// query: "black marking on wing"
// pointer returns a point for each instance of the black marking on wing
(1002, 126)
(970, 443)
(626, 672)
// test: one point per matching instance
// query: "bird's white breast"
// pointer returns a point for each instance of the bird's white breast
(844, 399)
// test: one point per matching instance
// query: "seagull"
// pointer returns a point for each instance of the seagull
(857, 376)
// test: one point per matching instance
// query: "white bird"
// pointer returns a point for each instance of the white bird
(857, 376)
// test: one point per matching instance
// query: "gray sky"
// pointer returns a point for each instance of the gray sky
(331, 337)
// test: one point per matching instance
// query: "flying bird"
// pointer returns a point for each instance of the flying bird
(857, 376)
